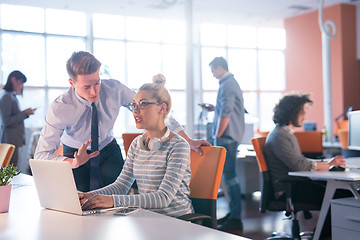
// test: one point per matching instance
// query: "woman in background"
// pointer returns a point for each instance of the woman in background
(12, 119)
(159, 160)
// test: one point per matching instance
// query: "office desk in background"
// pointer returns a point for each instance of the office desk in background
(335, 180)
(27, 220)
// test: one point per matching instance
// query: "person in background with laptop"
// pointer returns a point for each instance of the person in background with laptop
(158, 160)
(88, 110)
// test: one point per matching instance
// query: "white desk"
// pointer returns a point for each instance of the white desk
(349, 179)
(27, 220)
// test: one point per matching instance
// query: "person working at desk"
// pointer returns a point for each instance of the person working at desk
(11, 118)
(159, 160)
(283, 154)
(88, 110)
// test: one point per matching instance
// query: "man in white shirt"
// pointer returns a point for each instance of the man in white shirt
(69, 121)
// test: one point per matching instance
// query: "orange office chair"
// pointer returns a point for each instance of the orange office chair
(6, 152)
(127, 139)
(268, 202)
(310, 143)
(59, 151)
(206, 173)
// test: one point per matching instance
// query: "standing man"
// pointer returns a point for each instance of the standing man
(85, 115)
(228, 130)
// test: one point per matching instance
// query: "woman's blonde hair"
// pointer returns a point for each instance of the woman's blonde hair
(159, 78)
(160, 93)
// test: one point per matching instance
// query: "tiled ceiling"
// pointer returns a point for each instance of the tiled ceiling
(249, 12)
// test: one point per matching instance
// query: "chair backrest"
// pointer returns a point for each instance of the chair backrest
(344, 138)
(259, 146)
(267, 193)
(6, 152)
(127, 140)
(59, 151)
(344, 125)
(206, 173)
(310, 141)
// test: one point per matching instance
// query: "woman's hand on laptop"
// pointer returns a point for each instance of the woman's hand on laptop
(81, 156)
(98, 201)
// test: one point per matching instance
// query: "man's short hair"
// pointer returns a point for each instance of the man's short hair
(82, 63)
(289, 108)
(219, 61)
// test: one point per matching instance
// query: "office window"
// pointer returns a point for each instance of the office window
(272, 70)
(241, 36)
(173, 31)
(173, 65)
(256, 58)
(272, 38)
(65, 22)
(243, 64)
(25, 53)
(143, 62)
(213, 34)
(59, 50)
(34, 98)
(112, 56)
(268, 101)
(108, 26)
(143, 29)
(207, 55)
(22, 18)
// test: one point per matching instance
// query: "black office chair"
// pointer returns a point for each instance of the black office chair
(269, 203)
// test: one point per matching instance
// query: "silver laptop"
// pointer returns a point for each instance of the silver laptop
(56, 187)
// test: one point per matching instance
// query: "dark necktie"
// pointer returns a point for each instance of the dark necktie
(94, 162)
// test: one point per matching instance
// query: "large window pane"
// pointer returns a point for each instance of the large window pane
(251, 104)
(174, 66)
(22, 18)
(143, 62)
(239, 36)
(65, 22)
(207, 55)
(34, 98)
(267, 104)
(272, 70)
(178, 109)
(213, 34)
(108, 26)
(59, 50)
(243, 64)
(54, 93)
(112, 56)
(143, 29)
(173, 31)
(271, 38)
(25, 53)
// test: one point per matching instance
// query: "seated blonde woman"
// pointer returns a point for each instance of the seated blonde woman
(158, 160)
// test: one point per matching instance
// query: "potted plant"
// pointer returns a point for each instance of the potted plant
(6, 174)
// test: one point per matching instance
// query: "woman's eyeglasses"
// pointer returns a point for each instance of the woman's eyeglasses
(140, 105)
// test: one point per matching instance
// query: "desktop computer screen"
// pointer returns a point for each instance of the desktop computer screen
(354, 130)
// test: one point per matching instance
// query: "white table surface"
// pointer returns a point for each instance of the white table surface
(27, 220)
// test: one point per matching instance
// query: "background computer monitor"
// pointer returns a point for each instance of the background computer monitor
(354, 130)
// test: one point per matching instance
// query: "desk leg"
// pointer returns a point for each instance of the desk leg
(331, 187)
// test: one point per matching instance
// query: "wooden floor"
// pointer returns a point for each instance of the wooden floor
(260, 226)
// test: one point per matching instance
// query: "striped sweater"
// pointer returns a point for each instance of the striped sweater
(162, 176)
